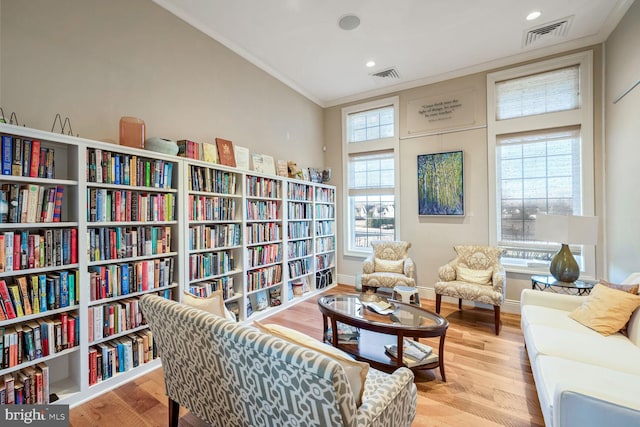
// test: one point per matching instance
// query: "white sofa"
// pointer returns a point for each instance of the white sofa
(582, 377)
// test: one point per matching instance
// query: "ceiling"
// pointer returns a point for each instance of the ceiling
(300, 42)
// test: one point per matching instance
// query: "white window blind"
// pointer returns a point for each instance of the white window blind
(372, 171)
(547, 92)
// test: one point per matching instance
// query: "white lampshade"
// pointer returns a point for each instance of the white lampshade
(568, 229)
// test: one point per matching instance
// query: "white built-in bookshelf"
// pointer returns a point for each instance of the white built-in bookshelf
(113, 223)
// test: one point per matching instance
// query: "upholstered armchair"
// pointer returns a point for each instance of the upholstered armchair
(475, 274)
(388, 266)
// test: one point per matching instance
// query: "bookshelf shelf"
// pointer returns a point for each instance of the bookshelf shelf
(213, 214)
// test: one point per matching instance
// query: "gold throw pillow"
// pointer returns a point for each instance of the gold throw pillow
(606, 310)
(389, 266)
(213, 304)
(479, 277)
(631, 288)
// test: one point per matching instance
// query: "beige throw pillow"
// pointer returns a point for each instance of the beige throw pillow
(630, 288)
(606, 310)
(389, 266)
(213, 304)
(480, 277)
(356, 371)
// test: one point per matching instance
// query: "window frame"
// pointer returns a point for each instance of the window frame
(581, 117)
(364, 147)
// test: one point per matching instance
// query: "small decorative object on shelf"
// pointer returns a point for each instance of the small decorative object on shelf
(132, 132)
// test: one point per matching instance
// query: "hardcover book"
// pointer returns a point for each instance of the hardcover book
(242, 157)
(226, 154)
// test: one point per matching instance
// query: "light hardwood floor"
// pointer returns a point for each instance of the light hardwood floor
(489, 380)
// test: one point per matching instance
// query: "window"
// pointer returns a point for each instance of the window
(541, 140)
(370, 156)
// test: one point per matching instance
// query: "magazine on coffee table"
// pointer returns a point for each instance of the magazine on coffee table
(414, 353)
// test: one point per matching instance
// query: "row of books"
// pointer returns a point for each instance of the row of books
(39, 338)
(21, 250)
(299, 267)
(120, 355)
(299, 191)
(325, 211)
(263, 232)
(258, 186)
(298, 230)
(211, 180)
(298, 248)
(210, 264)
(124, 205)
(265, 254)
(108, 281)
(264, 277)
(198, 150)
(325, 195)
(110, 243)
(263, 210)
(28, 386)
(324, 228)
(26, 157)
(205, 289)
(297, 210)
(207, 208)
(38, 293)
(113, 318)
(324, 261)
(29, 203)
(214, 236)
(324, 244)
(105, 167)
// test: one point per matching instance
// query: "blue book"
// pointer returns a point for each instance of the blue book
(64, 289)
(121, 359)
(116, 161)
(124, 278)
(42, 279)
(72, 289)
(7, 154)
(51, 292)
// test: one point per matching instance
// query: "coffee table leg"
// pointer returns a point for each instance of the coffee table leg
(325, 327)
(441, 358)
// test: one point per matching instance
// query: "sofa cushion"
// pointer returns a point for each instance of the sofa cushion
(555, 375)
(471, 275)
(356, 371)
(540, 315)
(389, 266)
(586, 346)
(606, 310)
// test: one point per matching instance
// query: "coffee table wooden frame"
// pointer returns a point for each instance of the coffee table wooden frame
(378, 330)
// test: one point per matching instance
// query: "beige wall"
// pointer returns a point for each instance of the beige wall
(433, 238)
(623, 146)
(95, 61)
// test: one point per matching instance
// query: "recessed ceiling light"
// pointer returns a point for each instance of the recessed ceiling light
(349, 22)
(533, 15)
(370, 64)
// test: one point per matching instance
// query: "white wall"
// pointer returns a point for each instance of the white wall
(95, 61)
(622, 124)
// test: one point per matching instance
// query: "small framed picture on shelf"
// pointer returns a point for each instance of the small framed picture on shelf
(282, 168)
(305, 174)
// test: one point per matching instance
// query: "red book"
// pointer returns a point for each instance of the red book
(64, 320)
(226, 154)
(35, 158)
(112, 321)
(6, 300)
(16, 251)
(57, 205)
(73, 245)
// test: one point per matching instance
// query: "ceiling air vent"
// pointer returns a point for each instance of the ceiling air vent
(389, 74)
(550, 30)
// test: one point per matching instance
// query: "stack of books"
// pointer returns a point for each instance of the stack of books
(347, 334)
(414, 353)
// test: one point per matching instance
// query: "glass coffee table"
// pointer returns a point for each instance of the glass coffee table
(377, 330)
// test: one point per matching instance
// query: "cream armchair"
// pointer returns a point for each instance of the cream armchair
(388, 266)
(475, 274)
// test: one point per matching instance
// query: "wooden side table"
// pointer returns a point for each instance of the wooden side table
(579, 287)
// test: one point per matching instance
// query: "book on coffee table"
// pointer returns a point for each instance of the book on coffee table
(414, 353)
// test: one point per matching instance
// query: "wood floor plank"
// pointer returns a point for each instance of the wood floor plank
(489, 377)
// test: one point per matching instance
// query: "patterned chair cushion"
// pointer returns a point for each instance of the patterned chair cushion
(356, 371)
(470, 292)
(387, 280)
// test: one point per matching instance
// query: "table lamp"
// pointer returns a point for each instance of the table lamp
(566, 229)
